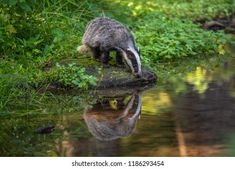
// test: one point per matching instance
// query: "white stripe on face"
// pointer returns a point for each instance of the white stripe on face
(137, 57)
(128, 61)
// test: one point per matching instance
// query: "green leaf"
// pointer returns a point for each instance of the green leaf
(25, 7)
(12, 2)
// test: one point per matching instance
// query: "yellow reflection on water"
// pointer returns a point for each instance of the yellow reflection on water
(199, 78)
(154, 102)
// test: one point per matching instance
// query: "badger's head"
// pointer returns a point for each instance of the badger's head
(132, 58)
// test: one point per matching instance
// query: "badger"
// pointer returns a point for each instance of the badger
(103, 35)
(108, 124)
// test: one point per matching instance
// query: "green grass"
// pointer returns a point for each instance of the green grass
(34, 34)
(173, 39)
(190, 9)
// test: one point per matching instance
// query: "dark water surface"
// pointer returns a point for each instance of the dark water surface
(191, 117)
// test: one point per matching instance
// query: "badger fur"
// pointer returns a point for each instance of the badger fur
(103, 35)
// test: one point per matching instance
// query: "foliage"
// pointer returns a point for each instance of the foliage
(74, 76)
(190, 9)
(166, 30)
(172, 39)
(37, 33)
(13, 87)
(40, 29)
(34, 33)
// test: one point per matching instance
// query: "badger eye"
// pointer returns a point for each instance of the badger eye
(130, 55)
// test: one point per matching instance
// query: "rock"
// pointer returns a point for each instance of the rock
(110, 79)
(232, 23)
(213, 25)
(227, 24)
(115, 77)
(229, 30)
(107, 78)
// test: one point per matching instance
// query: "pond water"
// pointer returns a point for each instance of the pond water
(194, 116)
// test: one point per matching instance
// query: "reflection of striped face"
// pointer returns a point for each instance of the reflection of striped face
(107, 124)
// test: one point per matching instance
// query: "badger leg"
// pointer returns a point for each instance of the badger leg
(104, 57)
(119, 60)
(96, 53)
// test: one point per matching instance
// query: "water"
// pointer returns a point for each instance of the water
(194, 116)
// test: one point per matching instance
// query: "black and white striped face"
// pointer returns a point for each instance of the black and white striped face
(132, 58)
(133, 61)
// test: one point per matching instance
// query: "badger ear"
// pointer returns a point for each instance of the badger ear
(128, 50)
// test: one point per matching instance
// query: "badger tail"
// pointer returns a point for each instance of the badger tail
(83, 49)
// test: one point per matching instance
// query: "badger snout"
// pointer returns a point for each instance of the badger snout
(137, 73)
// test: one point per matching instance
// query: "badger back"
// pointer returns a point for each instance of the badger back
(106, 33)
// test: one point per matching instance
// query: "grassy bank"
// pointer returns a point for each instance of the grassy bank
(35, 35)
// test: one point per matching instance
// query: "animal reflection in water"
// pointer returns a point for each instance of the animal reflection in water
(112, 118)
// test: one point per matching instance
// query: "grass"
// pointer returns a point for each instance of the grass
(34, 34)
(183, 9)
